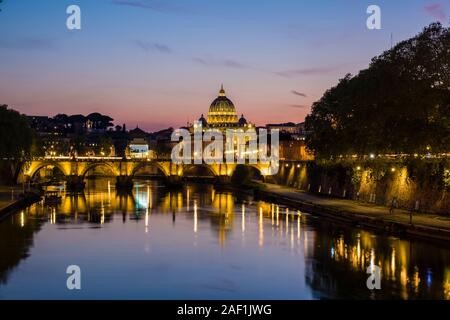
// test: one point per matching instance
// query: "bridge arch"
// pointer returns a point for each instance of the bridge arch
(200, 168)
(35, 167)
(147, 164)
(247, 172)
(256, 169)
(94, 165)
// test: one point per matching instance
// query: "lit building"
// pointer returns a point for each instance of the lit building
(292, 141)
(139, 148)
(294, 150)
(297, 130)
(222, 115)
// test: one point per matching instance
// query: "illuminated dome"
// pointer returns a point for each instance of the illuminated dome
(222, 111)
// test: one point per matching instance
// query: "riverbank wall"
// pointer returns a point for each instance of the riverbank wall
(418, 185)
(24, 200)
(360, 220)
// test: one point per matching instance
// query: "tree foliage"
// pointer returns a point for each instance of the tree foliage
(400, 104)
(16, 136)
(16, 142)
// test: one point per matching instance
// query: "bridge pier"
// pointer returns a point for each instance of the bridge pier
(223, 180)
(75, 183)
(174, 181)
(124, 182)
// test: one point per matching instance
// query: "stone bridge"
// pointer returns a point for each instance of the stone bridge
(76, 169)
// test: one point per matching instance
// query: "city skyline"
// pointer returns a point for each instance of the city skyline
(165, 65)
(224, 157)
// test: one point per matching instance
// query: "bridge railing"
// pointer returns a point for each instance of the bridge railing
(97, 158)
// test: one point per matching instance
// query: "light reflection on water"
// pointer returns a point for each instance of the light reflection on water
(201, 243)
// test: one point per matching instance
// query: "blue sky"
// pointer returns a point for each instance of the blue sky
(160, 63)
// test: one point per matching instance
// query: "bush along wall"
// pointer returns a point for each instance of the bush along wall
(412, 184)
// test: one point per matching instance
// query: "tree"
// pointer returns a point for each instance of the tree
(400, 104)
(16, 140)
(16, 136)
(61, 118)
(99, 121)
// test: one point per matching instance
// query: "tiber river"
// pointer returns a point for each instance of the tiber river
(201, 243)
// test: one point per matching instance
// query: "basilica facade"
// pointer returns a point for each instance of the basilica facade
(222, 115)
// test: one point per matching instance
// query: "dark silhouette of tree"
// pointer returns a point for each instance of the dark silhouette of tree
(15, 251)
(99, 121)
(16, 140)
(16, 136)
(77, 118)
(400, 104)
(61, 118)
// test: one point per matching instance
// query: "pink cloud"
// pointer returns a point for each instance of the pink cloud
(436, 10)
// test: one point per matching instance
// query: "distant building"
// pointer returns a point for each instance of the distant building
(162, 143)
(288, 127)
(292, 141)
(222, 115)
(294, 150)
(138, 149)
(139, 146)
(296, 130)
(74, 135)
(40, 123)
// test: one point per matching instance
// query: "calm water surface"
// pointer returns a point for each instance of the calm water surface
(201, 243)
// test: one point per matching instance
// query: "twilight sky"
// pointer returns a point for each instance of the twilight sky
(160, 63)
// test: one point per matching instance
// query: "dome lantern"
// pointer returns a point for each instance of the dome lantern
(222, 92)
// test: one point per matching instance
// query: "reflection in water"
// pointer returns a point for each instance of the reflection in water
(410, 269)
(195, 217)
(270, 251)
(16, 237)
